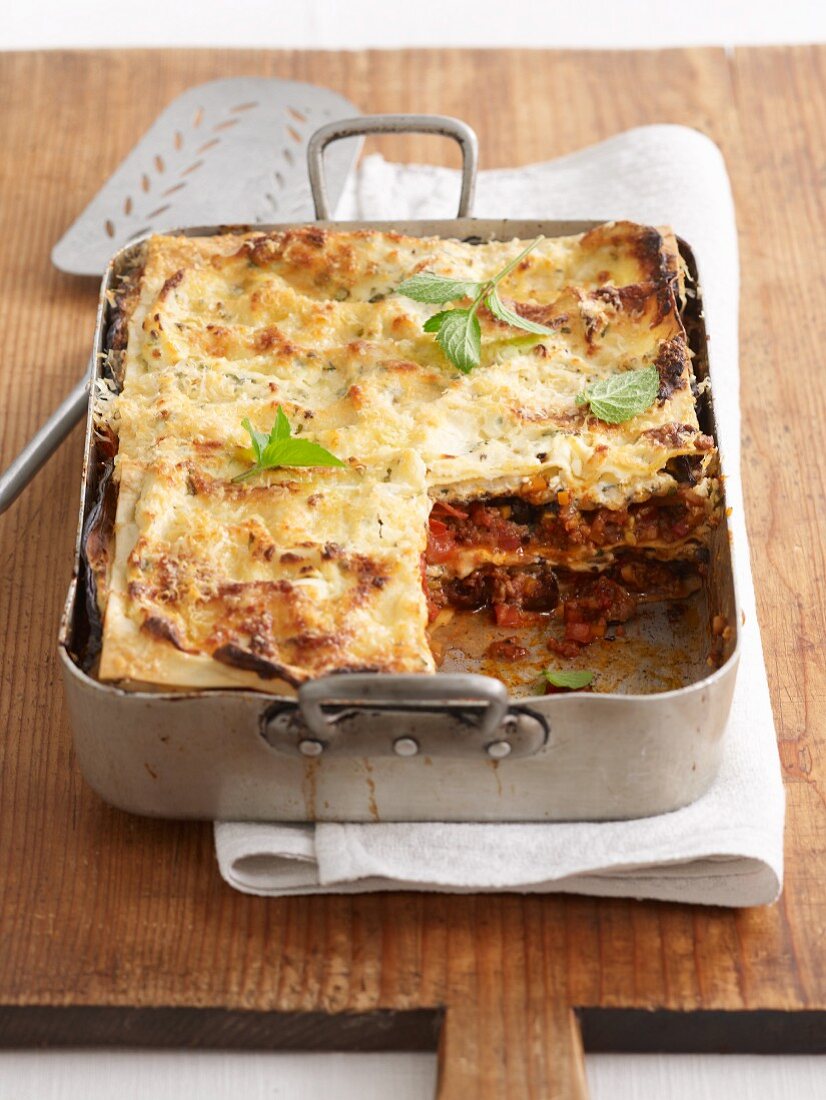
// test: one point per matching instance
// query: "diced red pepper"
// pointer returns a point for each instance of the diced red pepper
(449, 509)
(506, 614)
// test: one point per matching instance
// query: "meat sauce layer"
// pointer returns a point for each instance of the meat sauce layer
(511, 525)
(587, 604)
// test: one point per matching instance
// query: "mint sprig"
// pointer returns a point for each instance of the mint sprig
(621, 396)
(458, 331)
(280, 448)
(427, 287)
(572, 678)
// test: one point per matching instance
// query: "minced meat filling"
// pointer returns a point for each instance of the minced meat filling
(510, 524)
(600, 602)
(585, 603)
(533, 588)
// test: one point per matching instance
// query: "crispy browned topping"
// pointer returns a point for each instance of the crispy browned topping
(671, 364)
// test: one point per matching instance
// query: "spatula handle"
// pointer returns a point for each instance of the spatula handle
(43, 444)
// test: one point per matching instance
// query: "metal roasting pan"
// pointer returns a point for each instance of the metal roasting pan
(360, 747)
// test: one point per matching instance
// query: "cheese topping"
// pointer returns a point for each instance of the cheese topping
(295, 573)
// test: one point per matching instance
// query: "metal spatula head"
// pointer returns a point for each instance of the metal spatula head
(224, 153)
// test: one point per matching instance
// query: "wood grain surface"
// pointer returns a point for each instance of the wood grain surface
(105, 910)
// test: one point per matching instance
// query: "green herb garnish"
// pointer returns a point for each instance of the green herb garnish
(572, 678)
(459, 335)
(621, 396)
(279, 448)
(458, 332)
(437, 289)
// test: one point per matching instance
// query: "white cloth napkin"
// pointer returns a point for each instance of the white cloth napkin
(726, 848)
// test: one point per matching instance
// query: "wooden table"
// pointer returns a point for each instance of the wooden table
(118, 929)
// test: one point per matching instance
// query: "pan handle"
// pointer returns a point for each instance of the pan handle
(387, 715)
(43, 444)
(453, 128)
(423, 690)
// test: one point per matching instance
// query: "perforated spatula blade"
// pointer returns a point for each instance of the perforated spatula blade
(229, 152)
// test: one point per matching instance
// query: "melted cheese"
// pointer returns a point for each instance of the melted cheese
(220, 583)
(298, 573)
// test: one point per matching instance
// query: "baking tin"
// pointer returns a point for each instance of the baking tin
(382, 747)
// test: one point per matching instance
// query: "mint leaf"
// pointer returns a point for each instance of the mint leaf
(427, 287)
(297, 452)
(434, 323)
(572, 678)
(510, 317)
(279, 448)
(460, 338)
(281, 427)
(622, 396)
(279, 435)
(259, 439)
(458, 331)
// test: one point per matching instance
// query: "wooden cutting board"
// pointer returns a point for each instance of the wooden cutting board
(118, 929)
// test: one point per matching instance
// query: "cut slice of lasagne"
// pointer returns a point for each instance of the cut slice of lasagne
(495, 488)
(295, 574)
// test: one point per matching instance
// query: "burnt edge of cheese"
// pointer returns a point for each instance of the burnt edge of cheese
(96, 541)
(122, 306)
(163, 630)
(237, 657)
(670, 363)
(97, 533)
(660, 266)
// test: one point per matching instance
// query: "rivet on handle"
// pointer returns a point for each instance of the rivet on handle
(498, 750)
(405, 746)
(309, 747)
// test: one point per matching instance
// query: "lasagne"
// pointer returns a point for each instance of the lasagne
(495, 492)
